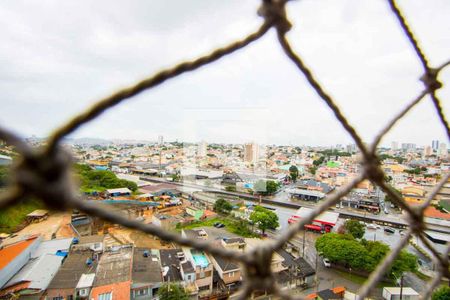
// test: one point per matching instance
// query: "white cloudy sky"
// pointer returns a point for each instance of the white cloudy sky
(57, 57)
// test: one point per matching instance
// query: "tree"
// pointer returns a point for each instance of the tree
(362, 255)
(442, 293)
(355, 228)
(264, 218)
(230, 188)
(172, 291)
(388, 198)
(313, 170)
(293, 171)
(222, 206)
(266, 187)
(101, 179)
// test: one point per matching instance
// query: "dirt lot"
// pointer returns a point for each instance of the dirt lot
(57, 223)
(139, 238)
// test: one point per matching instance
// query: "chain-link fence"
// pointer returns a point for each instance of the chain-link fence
(46, 172)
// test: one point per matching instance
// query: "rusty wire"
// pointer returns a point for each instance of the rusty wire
(46, 172)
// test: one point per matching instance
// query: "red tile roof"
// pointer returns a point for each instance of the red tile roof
(432, 212)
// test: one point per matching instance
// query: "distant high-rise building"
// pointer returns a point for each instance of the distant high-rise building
(394, 146)
(201, 149)
(443, 152)
(408, 146)
(427, 151)
(160, 140)
(435, 145)
(351, 148)
(251, 152)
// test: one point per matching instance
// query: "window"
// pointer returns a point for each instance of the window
(141, 292)
(58, 298)
(189, 277)
(231, 274)
(83, 292)
(105, 296)
(70, 297)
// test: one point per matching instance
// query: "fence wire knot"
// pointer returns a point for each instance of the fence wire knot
(258, 271)
(274, 13)
(430, 80)
(47, 176)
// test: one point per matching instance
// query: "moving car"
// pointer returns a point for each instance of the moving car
(371, 226)
(389, 229)
(326, 262)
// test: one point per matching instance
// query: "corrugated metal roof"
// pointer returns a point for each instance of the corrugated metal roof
(326, 216)
(38, 271)
(8, 253)
(52, 246)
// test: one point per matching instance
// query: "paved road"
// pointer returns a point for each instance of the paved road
(283, 199)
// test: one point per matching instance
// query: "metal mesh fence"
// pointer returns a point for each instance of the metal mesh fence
(46, 172)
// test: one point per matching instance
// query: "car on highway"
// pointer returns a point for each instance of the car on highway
(389, 229)
(371, 226)
(326, 262)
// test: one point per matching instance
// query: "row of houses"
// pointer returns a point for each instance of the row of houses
(85, 268)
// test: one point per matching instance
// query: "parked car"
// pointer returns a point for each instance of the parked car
(389, 229)
(326, 262)
(219, 225)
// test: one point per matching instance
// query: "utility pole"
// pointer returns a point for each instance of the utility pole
(304, 238)
(401, 287)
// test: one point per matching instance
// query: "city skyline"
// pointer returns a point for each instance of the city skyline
(355, 48)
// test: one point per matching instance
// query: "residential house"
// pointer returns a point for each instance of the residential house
(299, 272)
(146, 274)
(34, 277)
(177, 269)
(113, 276)
(14, 256)
(78, 265)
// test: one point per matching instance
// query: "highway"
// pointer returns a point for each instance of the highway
(398, 222)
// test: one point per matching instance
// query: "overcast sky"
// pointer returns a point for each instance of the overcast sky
(58, 57)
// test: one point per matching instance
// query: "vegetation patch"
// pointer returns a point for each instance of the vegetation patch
(100, 180)
(14, 215)
(238, 227)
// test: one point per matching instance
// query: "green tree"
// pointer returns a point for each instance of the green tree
(362, 255)
(313, 170)
(442, 293)
(230, 188)
(388, 198)
(355, 228)
(172, 291)
(222, 206)
(100, 179)
(293, 171)
(264, 218)
(266, 187)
